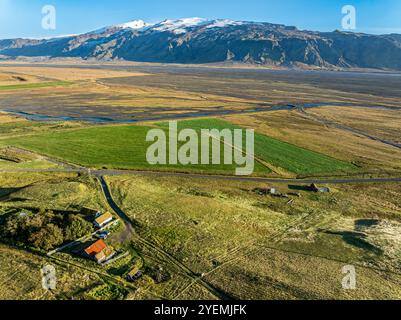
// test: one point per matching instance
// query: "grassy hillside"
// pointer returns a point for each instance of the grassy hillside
(247, 245)
(252, 246)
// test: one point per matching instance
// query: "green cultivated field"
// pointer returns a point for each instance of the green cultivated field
(117, 146)
(125, 147)
(296, 159)
(281, 154)
(122, 147)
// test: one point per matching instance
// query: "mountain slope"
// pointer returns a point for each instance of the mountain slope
(196, 40)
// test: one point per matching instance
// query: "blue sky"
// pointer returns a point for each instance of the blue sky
(22, 18)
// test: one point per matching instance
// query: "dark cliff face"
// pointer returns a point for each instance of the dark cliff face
(201, 41)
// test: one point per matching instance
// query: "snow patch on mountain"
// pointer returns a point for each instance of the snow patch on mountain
(221, 23)
(135, 24)
(179, 26)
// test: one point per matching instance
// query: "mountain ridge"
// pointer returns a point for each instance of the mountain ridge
(202, 41)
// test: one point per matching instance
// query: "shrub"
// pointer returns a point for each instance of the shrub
(47, 237)
(77, 227)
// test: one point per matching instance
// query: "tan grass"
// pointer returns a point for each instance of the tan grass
(294, 128)
(69, 74)
(383, 123)
(7, 118)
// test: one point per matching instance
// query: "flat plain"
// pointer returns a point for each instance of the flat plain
(202, 235)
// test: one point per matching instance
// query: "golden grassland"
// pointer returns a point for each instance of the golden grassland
(260, 247)
(7, 118)
(20, 277)
(10, 77)
(64, 74)
(128, 96)
(61, 191)
(269, 274)
(382, 123)
(294, 128)
(69, 193)
(247, 245)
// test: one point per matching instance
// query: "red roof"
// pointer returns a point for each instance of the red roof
(96, 248)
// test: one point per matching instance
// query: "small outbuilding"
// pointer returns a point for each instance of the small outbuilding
(103, 219)
(136, 271)
(315, 188)
(134, 275)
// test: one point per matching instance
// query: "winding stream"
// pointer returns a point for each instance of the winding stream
(196, 114)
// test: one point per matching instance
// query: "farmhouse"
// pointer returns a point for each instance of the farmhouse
(99, 251)
(103, 219)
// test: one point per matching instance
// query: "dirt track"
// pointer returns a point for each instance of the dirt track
(100, 173)
(130, 231)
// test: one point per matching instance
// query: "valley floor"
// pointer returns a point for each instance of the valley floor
(198, 232)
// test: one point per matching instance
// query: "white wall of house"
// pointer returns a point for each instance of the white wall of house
(103, 224)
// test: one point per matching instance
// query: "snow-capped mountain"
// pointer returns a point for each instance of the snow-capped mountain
(197, 40)
(179, 26)
(135, 25)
